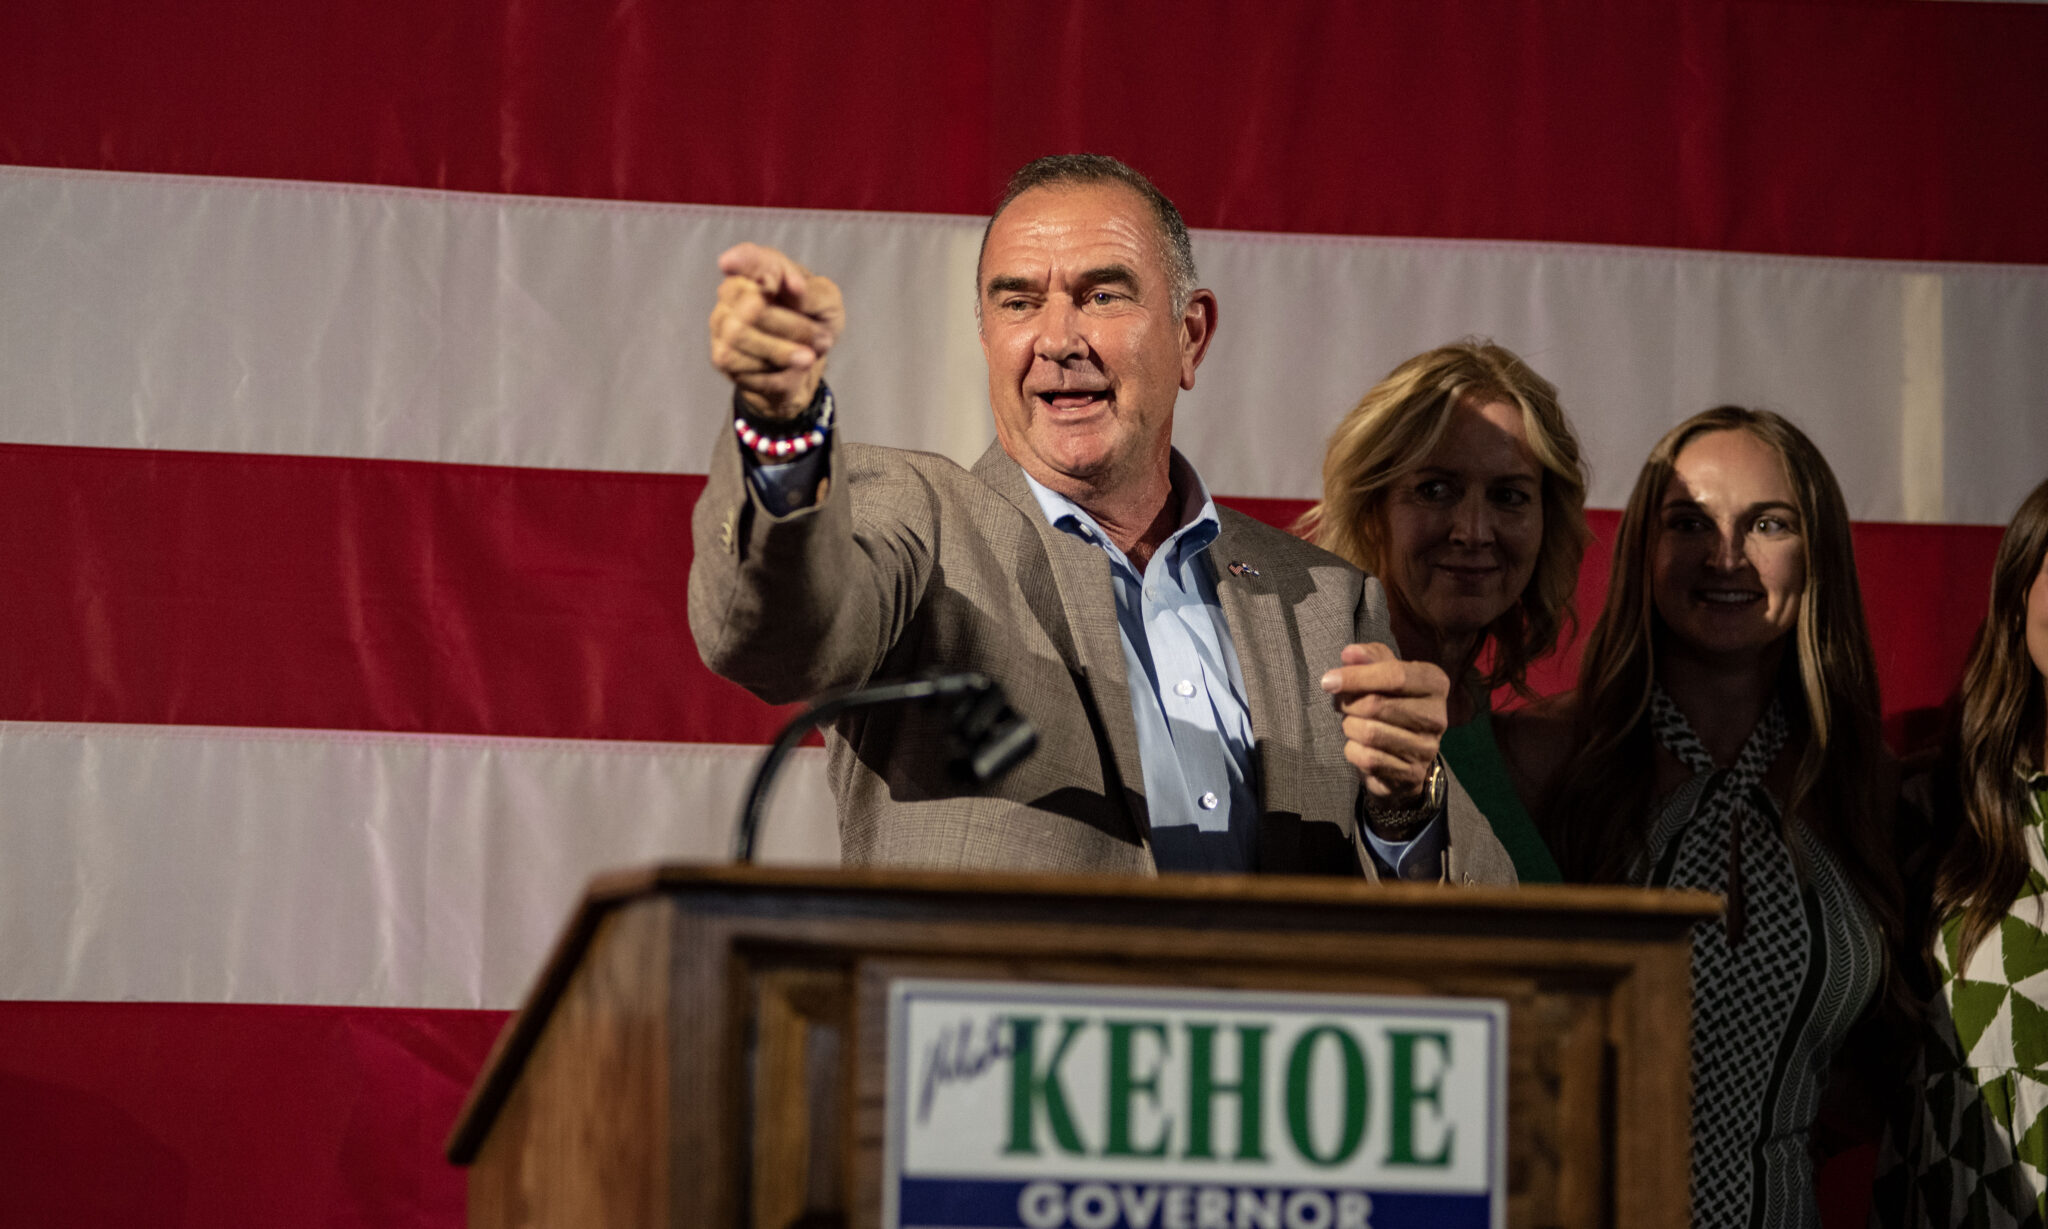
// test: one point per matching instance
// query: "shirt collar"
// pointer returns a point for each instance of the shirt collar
(1198, 527)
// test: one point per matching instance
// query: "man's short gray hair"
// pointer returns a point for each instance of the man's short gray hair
(1176, 250)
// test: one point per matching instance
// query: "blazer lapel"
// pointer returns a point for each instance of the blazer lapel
(1081, 571)
(1282, 661)
(1249, 604)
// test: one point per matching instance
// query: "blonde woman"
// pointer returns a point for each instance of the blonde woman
(1457, 482)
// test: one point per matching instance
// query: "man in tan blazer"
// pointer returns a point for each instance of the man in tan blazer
(1210, 693)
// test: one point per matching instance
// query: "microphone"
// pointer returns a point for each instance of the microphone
(985, 737)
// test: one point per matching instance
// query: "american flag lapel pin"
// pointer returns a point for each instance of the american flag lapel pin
(1242, 569)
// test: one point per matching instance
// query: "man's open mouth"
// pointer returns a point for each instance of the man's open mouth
(1073, 398)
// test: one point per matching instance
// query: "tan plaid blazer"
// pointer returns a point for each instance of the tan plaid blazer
(912, 563)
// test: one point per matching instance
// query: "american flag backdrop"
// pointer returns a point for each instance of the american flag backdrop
(353, 402)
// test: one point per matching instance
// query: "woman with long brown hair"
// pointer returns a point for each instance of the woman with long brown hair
(1725, 736)
(1457, 482)
(1975, 1142)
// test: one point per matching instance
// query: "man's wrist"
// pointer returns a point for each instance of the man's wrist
(778, 406)
(1399, 823)
(775, 440)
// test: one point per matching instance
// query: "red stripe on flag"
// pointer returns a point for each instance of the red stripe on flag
(1925, 590)
(1875, 130)
(231, 1116)
(328, 593)
(325, 593)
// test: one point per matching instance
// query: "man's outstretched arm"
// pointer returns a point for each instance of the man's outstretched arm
(787, 597)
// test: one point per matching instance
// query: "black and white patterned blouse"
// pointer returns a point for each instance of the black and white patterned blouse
(1773, 1002)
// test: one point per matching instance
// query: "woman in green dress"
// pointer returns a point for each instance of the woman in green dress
(1457, 482)
(1971, 1148)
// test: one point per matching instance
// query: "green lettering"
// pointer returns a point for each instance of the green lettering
(1124, 1083)
(1028, 1087)
(1204, 1088)
(1299, 1064)
(1401, 1149)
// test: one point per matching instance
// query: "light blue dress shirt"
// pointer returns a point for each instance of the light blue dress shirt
(1420, 858)
(785, 486)
(1194, 731)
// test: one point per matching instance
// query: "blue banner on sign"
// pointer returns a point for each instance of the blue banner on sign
(965, 1203)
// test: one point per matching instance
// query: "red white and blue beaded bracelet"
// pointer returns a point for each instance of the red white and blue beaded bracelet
(773, 440)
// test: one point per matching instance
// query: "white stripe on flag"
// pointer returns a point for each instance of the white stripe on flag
(1921, 386)
(196, 864)
(254, 316)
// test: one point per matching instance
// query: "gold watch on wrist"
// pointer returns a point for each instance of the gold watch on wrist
(1400, 823)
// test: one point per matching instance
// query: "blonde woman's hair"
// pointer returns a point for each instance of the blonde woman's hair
(1393, 428)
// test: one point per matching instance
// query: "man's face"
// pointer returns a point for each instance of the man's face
(1085, 354)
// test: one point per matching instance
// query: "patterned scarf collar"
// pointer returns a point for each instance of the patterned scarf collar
(1729, 795)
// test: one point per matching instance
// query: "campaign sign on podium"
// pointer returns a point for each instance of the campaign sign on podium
(1040, 1106)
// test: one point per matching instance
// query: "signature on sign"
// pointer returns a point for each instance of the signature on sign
(960, 1054)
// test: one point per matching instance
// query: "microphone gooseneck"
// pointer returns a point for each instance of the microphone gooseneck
(985, 737)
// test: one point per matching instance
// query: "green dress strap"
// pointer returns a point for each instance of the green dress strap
(1475, 757)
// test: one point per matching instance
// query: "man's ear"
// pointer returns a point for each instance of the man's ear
(1197, 330)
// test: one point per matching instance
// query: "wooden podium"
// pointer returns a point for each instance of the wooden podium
(705, 1046)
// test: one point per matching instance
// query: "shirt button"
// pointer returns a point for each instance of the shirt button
(1418, 869)
(1208, 801)
(1183, 688)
